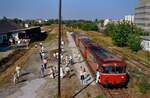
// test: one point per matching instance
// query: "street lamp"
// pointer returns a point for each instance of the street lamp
(59, 50)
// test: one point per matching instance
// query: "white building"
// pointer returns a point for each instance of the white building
(26, 25)
(129, 18)
(145, 44)
(142, 15)
(106, 21)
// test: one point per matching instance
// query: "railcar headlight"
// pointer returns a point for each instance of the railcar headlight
(122, 77)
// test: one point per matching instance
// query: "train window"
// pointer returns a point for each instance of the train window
(119, 69)
(114, 69)
(109, 69)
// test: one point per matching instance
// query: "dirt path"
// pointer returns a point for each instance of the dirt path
(30, 82)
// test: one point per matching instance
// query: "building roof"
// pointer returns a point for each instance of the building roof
(8, 26)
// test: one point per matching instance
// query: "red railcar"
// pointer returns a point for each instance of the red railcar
(112, 69)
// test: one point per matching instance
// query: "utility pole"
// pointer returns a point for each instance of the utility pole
(59, 51)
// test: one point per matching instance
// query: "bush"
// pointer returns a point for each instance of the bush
(134, 42)
(124, 34)
(88, 26)
(82, 24)
(110, 29)
(120, 35)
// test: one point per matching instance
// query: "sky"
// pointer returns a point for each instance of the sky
(71, 9)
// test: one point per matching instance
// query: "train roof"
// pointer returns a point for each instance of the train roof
(103, 55)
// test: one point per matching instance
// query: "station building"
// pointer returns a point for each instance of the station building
(10, 31)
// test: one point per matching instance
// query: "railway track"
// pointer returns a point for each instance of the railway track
(115, 93)
(136, 63)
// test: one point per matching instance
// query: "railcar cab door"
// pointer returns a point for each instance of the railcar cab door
(92, 61)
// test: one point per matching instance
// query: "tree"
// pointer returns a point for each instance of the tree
(121, 35)
(110, 29)
(134, 42)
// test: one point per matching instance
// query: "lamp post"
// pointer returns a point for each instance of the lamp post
(59, 50)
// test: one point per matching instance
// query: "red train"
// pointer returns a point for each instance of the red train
(112, 69)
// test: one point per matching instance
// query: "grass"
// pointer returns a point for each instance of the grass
(20, 60)
(10, 59)
(144, 85)
(100, 97)
(50, 37)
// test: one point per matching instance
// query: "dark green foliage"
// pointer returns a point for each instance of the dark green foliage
(134, 42)
(88, 26)
(81, 24)
(100, 97)
(110, 29)
(124, 34)
(120, 36)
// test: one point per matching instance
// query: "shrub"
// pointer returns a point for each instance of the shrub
(134, 42)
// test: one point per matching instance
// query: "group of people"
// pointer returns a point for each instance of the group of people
(17, 41)
(44, 60)
(66, 60)
(83, 75)
(53, 70)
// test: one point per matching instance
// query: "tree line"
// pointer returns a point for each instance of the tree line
(124, 34)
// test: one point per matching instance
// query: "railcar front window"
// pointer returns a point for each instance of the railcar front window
(114, 69)
(119, 69)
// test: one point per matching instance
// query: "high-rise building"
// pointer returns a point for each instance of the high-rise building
(129, 18)
(142, 15)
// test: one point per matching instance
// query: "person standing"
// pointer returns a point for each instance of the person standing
(85, 75)
(55, 71)
(81, 75)
(15, 78)
(66, 60)
(62, 43)
(71, 60)
(45, 63)
(61, 72)
(42, 49)
(51, 72)
(54, 55)
(57, 55)
(41, 45)
(42, 70)
(97, 75)
(43, 55)
(18, 68)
